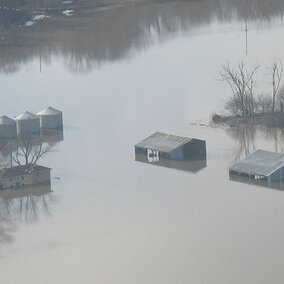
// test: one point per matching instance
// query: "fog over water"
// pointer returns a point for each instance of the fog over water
(118, 76)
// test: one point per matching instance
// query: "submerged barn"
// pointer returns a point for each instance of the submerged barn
(27, 123)
(50, 118)
(165, 146)
(8, 127)
(261, 165)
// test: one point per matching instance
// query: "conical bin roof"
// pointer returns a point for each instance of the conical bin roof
(5, 120)
(49, 111)
(27, 115)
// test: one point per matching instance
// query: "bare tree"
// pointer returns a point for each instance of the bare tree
(276, 72)
(281, 98)
(242, 84)
(29, 150)
(263, 102)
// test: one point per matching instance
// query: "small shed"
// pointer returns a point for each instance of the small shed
(165, 146)
(261, 165)
(8, 127)
(27, 123)
(50, 118)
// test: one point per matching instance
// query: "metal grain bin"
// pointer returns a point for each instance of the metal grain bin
(8, 127)
(27, 123)
(50, 118)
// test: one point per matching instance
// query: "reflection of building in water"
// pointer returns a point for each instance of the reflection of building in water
(262, 165)
(25, 204)
(33, 190)
(27, 175)
(172, 151)
(27, 123)
(50, 118)
(258, 182)
(190, 166)
(51, 136)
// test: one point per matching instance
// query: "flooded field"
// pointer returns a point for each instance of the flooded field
(118, 76)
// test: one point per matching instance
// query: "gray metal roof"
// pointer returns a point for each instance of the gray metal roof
(163, 142)
(49, 111)
(5, 120)
(26, 115)
(261, 163)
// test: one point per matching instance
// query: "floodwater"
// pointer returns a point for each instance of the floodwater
(118, 76)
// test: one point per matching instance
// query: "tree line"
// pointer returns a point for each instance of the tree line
(245, 102)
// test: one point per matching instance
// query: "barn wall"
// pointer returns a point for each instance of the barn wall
(177, 154)
(277, 176)
(195, 150)
(139, 150)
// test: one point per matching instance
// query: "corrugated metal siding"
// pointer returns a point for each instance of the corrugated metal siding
(51, 121)
(195, 150)
(277, 176)
(29, 126)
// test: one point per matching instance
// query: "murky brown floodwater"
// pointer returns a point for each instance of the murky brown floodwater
(118, 76)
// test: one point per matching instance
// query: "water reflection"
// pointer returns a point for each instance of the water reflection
(257, 182)
(246, 139)
(25, 186)
(87, 42)
(189, 166)
(22, 205)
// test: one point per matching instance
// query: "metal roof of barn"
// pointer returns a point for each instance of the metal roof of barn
(260, 163)
(163, 142)
(5, 120)
(26, 115)
(49, 111)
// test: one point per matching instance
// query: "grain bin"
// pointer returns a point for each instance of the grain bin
(50, 118)
(27, 123)
(8, 127)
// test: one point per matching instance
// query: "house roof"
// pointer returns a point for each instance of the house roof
(261, 163)
(26, 115)
(163, 142)
(49, 111)
(5, 120)
(21, 170)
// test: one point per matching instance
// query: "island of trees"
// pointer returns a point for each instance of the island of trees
(244, 104)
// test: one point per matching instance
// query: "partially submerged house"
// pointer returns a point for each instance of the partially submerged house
(261, 165)
(172, 151)
(27, 175)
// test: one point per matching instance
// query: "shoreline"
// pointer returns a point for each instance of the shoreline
(267, 119)
(76, 10)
